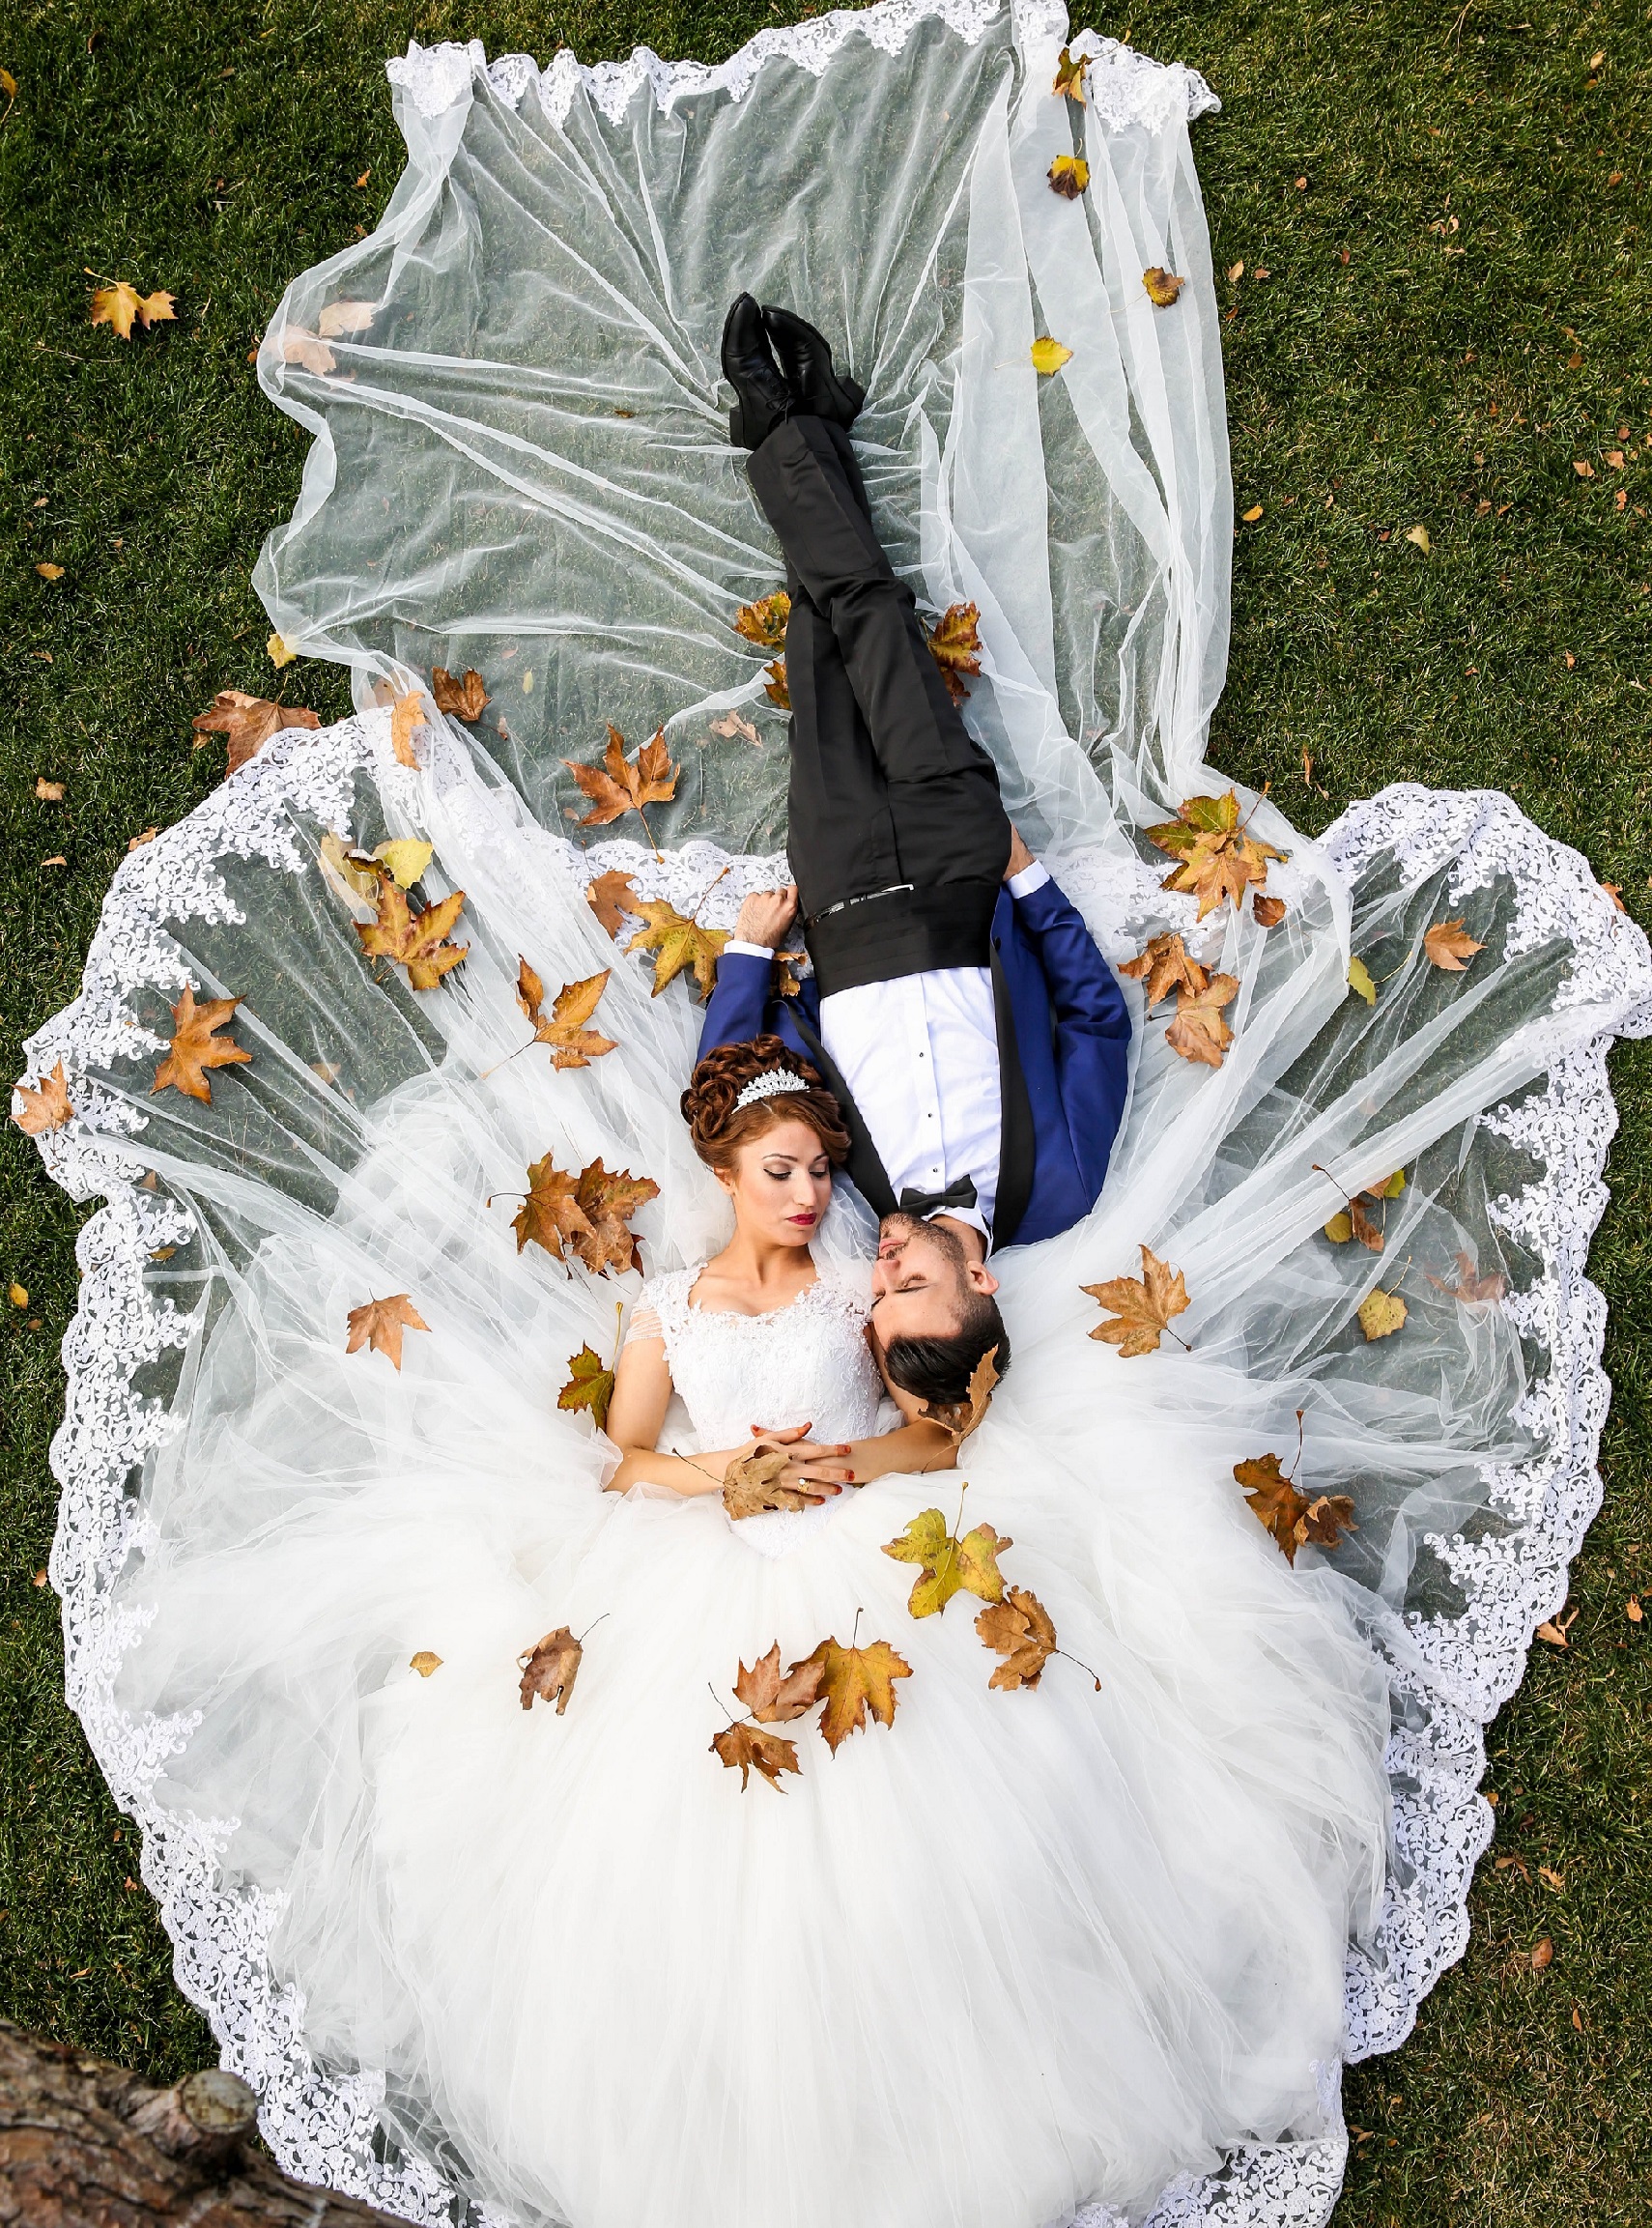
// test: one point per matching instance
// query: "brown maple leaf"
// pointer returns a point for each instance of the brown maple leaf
(572, 1044)
(1162, 286)
(194, 1047)
(1217, 857)
(1070, 74)
(677, 943)
(749, 1749)
(776, 687)
(774, 1697)
(1199, 1032)
(608, 1199)
(1018, 1628)
(763, 622)
(466, 698)
(962, 1417)
(46, 1104)
(1267, 912)
(1293, 1519)
(755, 1483)
(122, 305)
(380, 1323)
(550, 1668)
(618, 785)
(248, 723)
(549, 1212)
(609, 898)
(785, 976)
(954, 644)
(1471, 1286)
(415, 941)
(590, 1386)
(1448, 947)
(948, 1565)
(1164, 964)
(1142, 1306)
(854, 1680)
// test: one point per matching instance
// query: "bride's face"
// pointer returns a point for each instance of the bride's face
(781, 1185)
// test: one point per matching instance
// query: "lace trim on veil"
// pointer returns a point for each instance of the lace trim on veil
(1125, 88)
(322, 2122)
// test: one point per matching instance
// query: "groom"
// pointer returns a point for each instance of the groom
(959, 1010)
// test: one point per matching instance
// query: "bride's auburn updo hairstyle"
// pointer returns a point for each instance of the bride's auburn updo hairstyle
(720, 1124)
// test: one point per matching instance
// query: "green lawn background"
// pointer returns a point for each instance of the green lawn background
(1451, 208)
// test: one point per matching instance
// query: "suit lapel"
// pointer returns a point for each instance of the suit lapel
(1017, 1143)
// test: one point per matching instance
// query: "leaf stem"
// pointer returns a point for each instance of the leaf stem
(506, 1061)
(591, 1627)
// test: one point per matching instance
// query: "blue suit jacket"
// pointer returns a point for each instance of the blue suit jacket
(1072, 1034)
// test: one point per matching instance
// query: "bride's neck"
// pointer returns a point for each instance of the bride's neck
(762, 1263)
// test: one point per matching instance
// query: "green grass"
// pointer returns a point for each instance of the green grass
(1447, 378)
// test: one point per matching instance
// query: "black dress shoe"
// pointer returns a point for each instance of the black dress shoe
(805, 357)
(762, 397)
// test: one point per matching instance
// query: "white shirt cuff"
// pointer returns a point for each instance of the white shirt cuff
(1029, 879)
(748, 951)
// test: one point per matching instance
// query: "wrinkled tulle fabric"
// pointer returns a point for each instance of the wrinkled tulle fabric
(1016, 1953)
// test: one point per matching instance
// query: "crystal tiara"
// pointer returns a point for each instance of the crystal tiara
(772, 1083)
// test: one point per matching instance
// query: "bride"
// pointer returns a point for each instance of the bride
(780, 1881)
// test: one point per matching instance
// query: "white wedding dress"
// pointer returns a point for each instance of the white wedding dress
(1085, 1950)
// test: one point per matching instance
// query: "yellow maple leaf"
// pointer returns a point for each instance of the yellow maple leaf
(1142, 1306)
(677, 943)
(415, 941)
(120, 306)
(572, 1044)
(948, 1565)
(854, 1680)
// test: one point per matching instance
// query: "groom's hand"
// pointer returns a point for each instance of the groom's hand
(812, 1468)
(765, 916)
(1020, 858)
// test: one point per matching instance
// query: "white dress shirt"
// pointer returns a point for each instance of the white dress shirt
(919, 1056)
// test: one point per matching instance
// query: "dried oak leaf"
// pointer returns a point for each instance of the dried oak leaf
(1165, 965)
(550, 1668)
(590, 1386)
(777, 688)
(749, 1749)
(572, 1044)
(621, 785)
(954, 644)
(1382, 1313)
(465, 699)
(962, 1417)
(248, 723)
(1142, 1306)
(1162, 286)
(415, 941)
(677, 943)
(763, 622)
(122, 305)
(1218, 856)
(1069, 175)
(854, 1680)
(1471, 1286)
(1070, 74)
(378, 1326)
(1019, 1629)
(1048, 355)
(1448, 947)
(774, 1697)
(194, 1046)
(608, 1198)
(46, 1104)
(609, 898)
(948, 1565)
(1293, 1519)
(1199, 1032)
(752, 1483)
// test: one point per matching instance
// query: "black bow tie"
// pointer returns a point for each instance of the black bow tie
(960, 1192)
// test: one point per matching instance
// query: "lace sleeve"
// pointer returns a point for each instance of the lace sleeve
(644, 1323)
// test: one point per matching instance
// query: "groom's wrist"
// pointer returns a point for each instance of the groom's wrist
(1029, 878)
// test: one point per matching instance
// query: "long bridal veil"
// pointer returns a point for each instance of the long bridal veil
(520, 466)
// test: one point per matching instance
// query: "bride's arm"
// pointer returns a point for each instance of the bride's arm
(637, 1415)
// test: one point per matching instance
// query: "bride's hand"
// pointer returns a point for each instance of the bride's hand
(818, 1469)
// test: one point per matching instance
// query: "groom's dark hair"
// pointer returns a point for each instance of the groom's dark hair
(938, 1370)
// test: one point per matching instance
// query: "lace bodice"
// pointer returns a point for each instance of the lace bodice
(805, 1363)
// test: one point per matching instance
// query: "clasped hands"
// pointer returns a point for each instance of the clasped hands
(816, 1472)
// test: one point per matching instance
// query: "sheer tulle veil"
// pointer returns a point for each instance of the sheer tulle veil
(520, 463)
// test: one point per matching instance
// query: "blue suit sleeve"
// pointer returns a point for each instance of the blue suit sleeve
(1092, 1023)
(737, 1008)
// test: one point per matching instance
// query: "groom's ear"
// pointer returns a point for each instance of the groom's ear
(980, 1278)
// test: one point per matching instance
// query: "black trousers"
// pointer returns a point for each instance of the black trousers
(898, 837)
